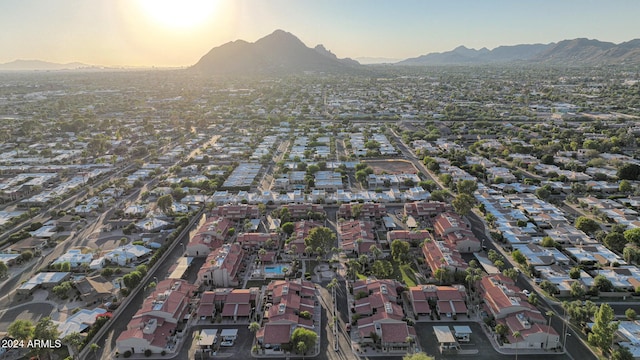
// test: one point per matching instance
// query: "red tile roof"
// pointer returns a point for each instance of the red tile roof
(276, 333)
(394, 332)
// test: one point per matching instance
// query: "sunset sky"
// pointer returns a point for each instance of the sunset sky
(177, 33)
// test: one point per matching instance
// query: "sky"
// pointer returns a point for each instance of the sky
(169, 33)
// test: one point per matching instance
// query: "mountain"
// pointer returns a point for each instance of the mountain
(278, 53)
(567, 52)
(31, 65)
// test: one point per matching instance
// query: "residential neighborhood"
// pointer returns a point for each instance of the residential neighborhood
(360, 218)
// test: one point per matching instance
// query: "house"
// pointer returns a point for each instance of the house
(75, 257)
(289, 304)
(95, 289)
(258, 240)
(379, 312)
(413, 236)
(440, 255)
(207, 307)
(43, 279)
(426, 209)
(222, 266)
(79, 322)
(534, 332)
(236, 212)
(154, 326)
(126, 254)
(356, 236)
(211, 235)
(152, 224)
(304, 211)
(502, 297)
(239, 304)
(452, 229)
(449, 301)
(366, 211)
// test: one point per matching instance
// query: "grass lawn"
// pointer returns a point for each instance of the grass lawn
(360, 276)
(408, 276)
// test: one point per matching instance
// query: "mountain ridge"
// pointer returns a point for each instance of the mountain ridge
(35, 65)
(580, 51)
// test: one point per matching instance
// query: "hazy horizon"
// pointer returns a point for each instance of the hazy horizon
(167, 33)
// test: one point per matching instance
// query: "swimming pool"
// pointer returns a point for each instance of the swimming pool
(275, 269)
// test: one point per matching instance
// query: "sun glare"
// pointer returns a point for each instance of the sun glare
(178, 13)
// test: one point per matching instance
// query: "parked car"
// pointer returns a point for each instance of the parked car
(526, 292)
(227, 343)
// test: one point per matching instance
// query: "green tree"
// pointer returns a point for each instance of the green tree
(321, 238)
(400, 251)
(604, 327)
(602, 283)
(94, 348)
(615, 241)
(501, 330)
(548, 241)
(288, 228)
(74, 343)
(622, 353)
(587, 225)
(630, 314)
(463, 203)
(439, 195)
(21, 329)
(382, 269)
(625, 186)
(629, 171)
(633, 236)
(580, 312)
(418, 356)
(254, 327)
(165, 202)
(575, 272)
(45, 329)
(519, 257)
(4, 269)
(132, 279)
(466, 187)
(303, 335)
(510, 273)
(577, 290)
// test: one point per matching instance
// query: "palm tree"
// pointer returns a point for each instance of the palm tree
(254, 327)
(375, 251)
(198, 339)
(262, 252)
(516, 335)
(550, 315)
(94, 347)
(409, 340)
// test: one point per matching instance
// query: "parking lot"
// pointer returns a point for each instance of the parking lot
(478, 341)
(241, 348)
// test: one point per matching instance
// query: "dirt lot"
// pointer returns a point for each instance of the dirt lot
(392, 166)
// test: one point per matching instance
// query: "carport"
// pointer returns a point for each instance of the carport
(229, 334)
(446, 340)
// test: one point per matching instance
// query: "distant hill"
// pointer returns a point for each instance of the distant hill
(567, 52)
(278, 53)
(31, 65)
